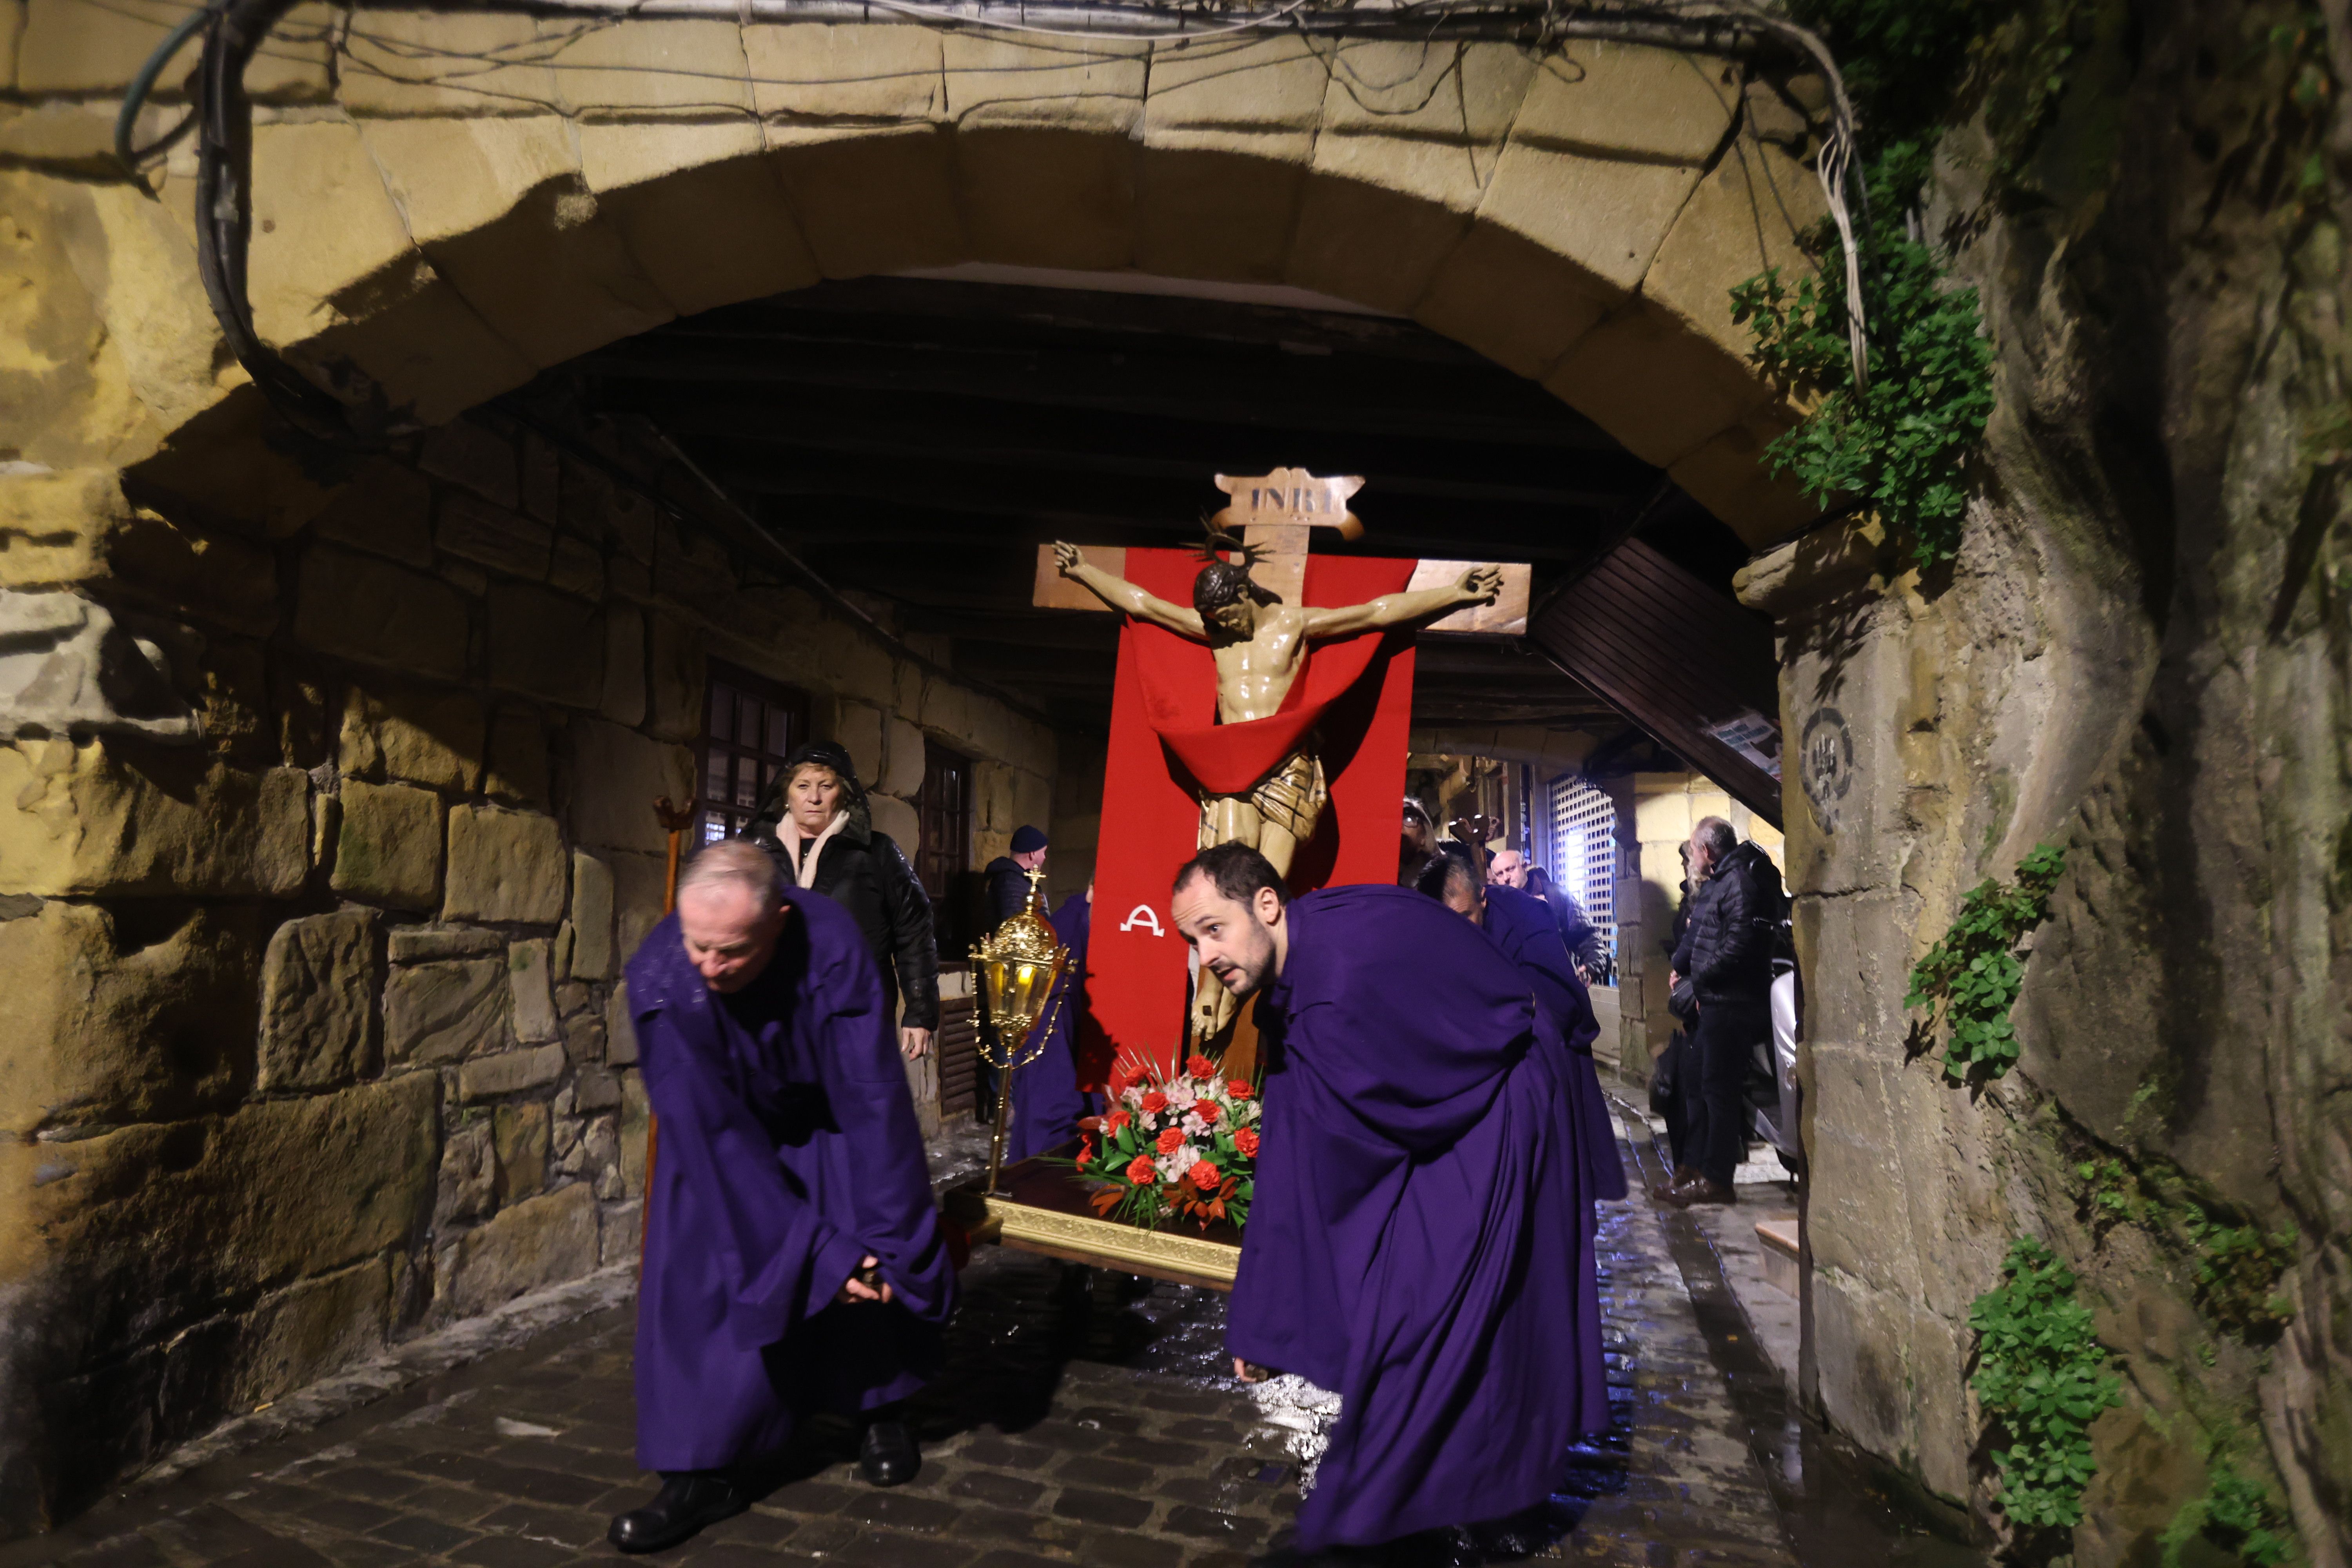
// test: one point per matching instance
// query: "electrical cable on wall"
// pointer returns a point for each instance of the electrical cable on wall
(135, 97)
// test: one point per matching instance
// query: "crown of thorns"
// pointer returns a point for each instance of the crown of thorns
(1222, 582)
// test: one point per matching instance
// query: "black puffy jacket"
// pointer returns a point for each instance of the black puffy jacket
(1726, 948)
(867, 873)
(1008, 891)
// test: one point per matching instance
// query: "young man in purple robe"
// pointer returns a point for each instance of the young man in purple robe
(1420, 1182)
(1523, 927)
(794, 1261)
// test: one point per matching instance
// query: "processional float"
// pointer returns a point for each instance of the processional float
(1306, 764)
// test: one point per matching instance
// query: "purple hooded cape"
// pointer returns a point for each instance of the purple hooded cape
(1412, 1241)
(1046, 1103)
(1521, 924)
(788, 1151)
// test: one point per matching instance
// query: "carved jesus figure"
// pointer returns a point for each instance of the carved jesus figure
(1259, 643)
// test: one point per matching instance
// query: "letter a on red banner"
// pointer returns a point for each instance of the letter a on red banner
(1354, 693)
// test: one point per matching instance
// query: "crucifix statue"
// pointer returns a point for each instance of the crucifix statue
(1259, 642)
(1249, 613)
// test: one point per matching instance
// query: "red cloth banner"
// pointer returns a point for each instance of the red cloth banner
(1165, 743)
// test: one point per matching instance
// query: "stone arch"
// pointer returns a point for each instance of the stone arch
(1578, 217)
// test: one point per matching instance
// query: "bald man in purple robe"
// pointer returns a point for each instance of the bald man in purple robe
(1413, 1242)
(794, 1262)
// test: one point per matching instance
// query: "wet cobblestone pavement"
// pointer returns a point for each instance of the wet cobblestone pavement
(1083, 1419)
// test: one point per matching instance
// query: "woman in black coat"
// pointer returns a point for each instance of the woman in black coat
(814, 820)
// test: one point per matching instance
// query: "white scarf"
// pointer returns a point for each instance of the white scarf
(807, 877)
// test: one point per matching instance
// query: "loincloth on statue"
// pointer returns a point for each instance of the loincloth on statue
(1291, 797)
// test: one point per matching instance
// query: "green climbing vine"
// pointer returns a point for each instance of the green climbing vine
(2236, 1514)
(2236, 1265)
(1973, 974)
(2237, 1270)
(2041, 1375)
(1897, 444)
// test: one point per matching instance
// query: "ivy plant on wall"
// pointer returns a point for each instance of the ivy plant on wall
(2235, 1264)
(1897, 445)
(2236, 1514)
(1896, 442)
(1973, 974)
(2041, 1376)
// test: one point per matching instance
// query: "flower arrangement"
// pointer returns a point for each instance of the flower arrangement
(1173, 1147)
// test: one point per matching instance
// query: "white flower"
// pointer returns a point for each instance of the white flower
(1195, 1125)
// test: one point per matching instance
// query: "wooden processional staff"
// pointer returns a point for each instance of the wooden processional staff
(1473, 832)
(675, 821)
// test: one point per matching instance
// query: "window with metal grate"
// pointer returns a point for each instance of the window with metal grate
(749, 725)
(1583, 849)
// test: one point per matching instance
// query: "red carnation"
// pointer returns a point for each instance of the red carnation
(1239, 1088)
(1201, 1067)
(1204, 1175)
(1085, 1151)
(1154, 1104)
(1207, 1111)
(1247, 1142)
(1171, 1140)
(1140, 1170)
(1118, 1120)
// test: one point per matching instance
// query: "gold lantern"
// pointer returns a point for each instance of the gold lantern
(1015, 968)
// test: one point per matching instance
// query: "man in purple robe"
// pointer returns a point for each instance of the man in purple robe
(1046, 1103)
(1523, 927)
(1420, 1181)
(794, 1261)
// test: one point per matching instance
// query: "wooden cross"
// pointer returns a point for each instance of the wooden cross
(1278, 512)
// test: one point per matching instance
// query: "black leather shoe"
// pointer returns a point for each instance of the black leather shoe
(1684, 1195)
(887, 1455)
(684, 1504)
(1683, 1176)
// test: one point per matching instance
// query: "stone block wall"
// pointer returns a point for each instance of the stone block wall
(319, 1037)
(2139, 654)
(1077, 818)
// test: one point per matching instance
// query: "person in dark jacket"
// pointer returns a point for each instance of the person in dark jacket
(1416, 842)
(814, 820)
(1674, 1076)
(1580, 935)
(1727, 951)
(1007, 876)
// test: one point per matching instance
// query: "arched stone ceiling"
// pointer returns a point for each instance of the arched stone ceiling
(470, 199)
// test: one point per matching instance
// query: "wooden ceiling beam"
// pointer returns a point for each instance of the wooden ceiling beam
(900, 308)
(917, 439)
(1460, 405)
(1080, 440)
(927, 509)
(812, 448)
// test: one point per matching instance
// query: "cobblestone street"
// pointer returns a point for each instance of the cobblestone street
(1082, 1420)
